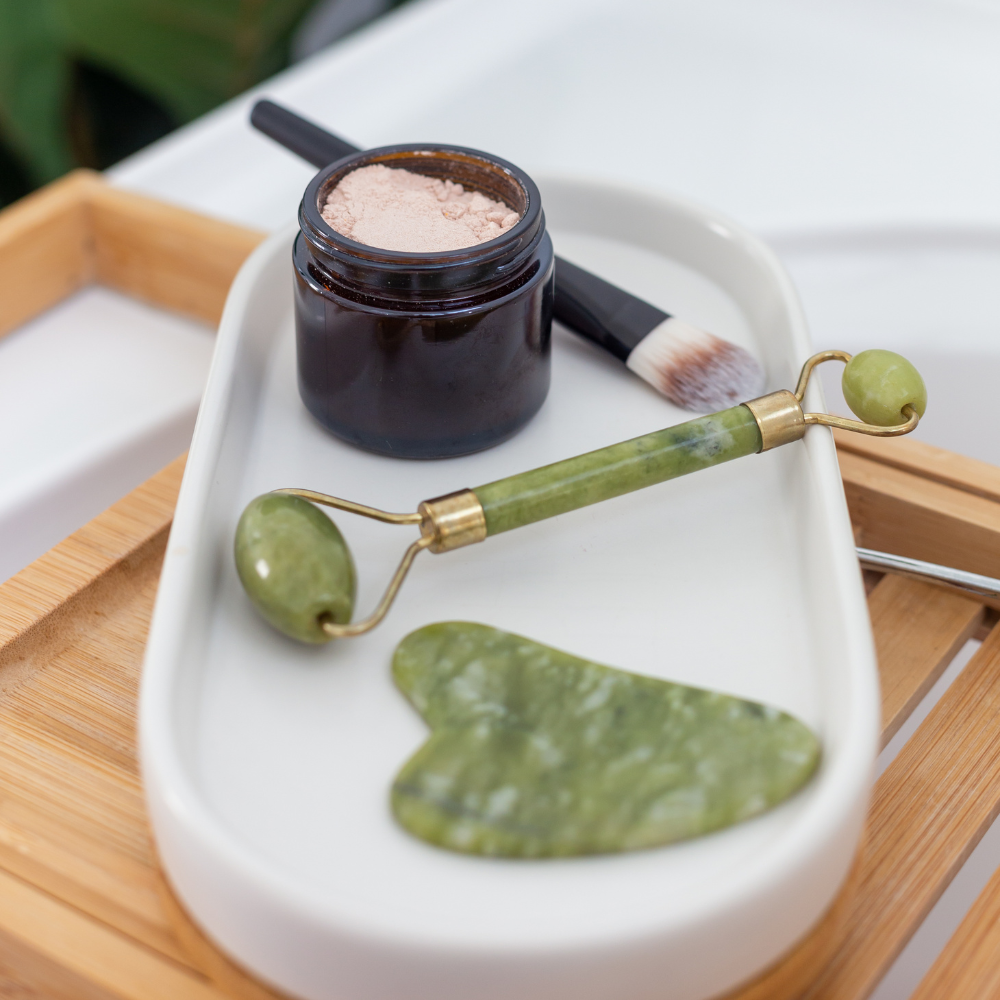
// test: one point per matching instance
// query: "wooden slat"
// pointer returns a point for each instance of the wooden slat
(46, 250)
(72, 820)
(930, 808)
(918, 630)
(164, 254)
(910, 515)
(66, 954)
(969, 966)
(27, 975)
(926, 461)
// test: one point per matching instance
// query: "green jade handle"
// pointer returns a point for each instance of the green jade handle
(620, 468)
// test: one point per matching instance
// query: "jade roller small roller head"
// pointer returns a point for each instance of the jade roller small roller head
(295, 565)
(879, 385)
(298, 572)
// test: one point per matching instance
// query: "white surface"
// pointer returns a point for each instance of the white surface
(933, 295)
(267, 764)
(96, 395)
(783, 114)
(923, 948)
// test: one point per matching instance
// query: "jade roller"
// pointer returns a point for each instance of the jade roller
(297, 570)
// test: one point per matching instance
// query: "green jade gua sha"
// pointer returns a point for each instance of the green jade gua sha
(535, 753)
(298, 571)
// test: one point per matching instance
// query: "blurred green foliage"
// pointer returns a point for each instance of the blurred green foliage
(84, 82)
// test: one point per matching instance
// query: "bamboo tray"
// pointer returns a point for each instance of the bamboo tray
(84, 911)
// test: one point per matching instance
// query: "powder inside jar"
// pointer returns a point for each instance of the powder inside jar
(400, 210)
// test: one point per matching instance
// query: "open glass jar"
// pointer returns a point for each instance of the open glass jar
(425, 355)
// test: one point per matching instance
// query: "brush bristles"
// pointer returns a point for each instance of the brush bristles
(694, 369)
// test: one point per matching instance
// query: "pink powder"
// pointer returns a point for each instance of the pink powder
(401, 210)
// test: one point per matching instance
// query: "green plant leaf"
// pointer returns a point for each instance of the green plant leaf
(189, 55)
(34, 86)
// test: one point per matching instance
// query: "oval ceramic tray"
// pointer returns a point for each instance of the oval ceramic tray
(268, 765)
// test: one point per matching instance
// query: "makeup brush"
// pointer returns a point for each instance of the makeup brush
(694, 369)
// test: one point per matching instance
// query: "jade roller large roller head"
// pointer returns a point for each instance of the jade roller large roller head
(298, 571)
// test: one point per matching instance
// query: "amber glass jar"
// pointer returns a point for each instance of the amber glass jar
(425, 355)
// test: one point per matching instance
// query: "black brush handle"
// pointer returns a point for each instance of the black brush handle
(312, 143)
(590, 306)
(602, 312)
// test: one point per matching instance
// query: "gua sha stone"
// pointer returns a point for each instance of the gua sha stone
(537, 753)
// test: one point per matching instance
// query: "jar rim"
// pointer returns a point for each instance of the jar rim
(317, 229)
(454, 302)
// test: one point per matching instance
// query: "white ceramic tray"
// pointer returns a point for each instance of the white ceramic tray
(267, 765)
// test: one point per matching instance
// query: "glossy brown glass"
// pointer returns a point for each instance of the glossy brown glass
(425, 355)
